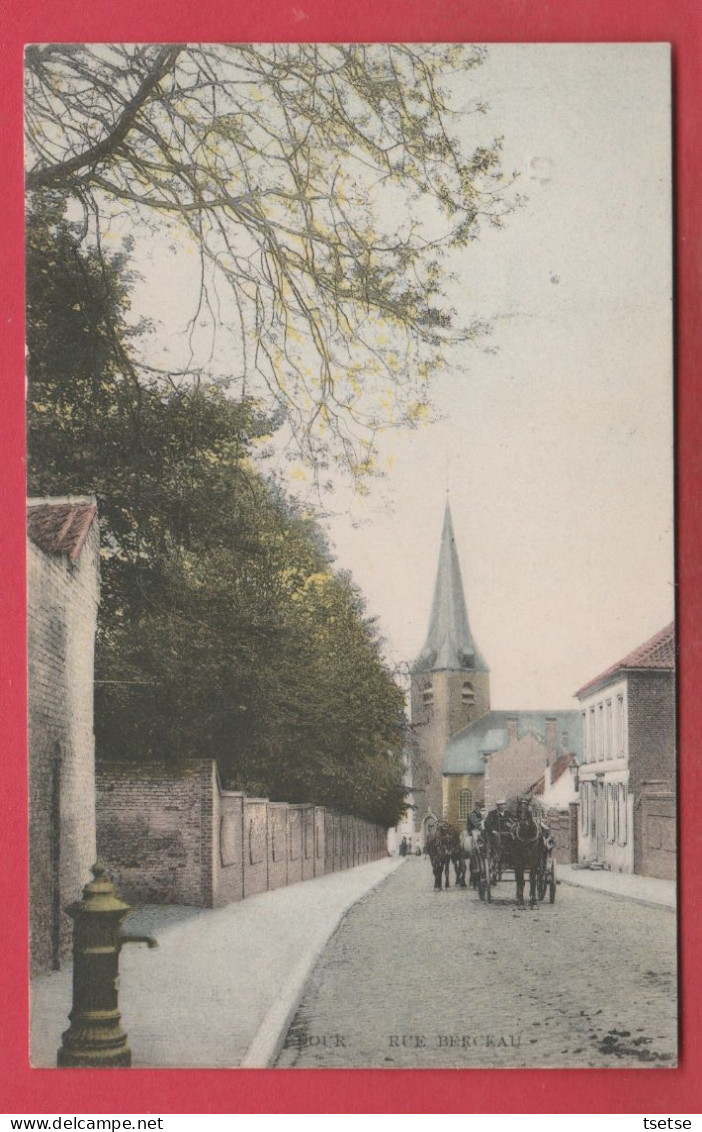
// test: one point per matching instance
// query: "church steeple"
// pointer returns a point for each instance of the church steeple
(449, 644)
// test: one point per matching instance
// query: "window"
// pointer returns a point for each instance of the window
(610, 811)
(622, 808)
(468, 694)
(586, 753)
(584, 804)
(609, 750)
(600, 731)
(620, 726)
(465, 804)
(593, 736)
(428, 696)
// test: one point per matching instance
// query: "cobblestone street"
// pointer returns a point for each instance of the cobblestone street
(414, 978)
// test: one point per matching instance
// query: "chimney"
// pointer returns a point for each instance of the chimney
(512, 729)
(551, 734)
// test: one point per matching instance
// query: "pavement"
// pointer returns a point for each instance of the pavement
(415, 978)
(224, 984)
(645, 890)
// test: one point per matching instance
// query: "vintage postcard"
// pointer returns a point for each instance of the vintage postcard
(350, 530)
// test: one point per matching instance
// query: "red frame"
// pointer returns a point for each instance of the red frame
(442, 1091)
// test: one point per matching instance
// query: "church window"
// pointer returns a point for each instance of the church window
(465, 804)
(468, 694)
(428, 696)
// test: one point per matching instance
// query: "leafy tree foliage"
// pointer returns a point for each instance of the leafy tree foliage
(321, 186)
(224, 631)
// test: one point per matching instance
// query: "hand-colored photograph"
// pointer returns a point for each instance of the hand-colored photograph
(350, 555)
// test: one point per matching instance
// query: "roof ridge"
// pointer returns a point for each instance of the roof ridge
(639, 658)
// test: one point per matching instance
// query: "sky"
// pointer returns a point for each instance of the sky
(557, 447)
(555, 437)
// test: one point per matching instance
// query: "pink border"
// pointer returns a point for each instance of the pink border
(664, 1091)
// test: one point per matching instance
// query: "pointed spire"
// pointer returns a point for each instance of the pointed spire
(449, 643)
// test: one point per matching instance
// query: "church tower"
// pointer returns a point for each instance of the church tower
(450, 685)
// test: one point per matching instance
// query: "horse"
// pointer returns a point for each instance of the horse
(527, 847)
(444, 844)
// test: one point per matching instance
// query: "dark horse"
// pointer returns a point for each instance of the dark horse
(526, 849)
(445, 844)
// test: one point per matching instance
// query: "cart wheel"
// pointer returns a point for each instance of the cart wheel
(552, 884)
(541, 882)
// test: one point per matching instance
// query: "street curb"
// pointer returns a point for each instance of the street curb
(268, 1039)
(618, 895)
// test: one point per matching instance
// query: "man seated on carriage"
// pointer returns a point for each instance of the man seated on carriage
(499, 820)
(498, 825)
(474, 821)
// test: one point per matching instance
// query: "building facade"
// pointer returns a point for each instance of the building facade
(505, 753)
(627, 780)
(62, 604)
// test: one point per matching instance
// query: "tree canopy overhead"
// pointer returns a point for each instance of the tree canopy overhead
(223, 632)
(321, 186)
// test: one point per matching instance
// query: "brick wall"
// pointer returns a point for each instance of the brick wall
(173, 836)
(62, 601)
(320, 841)
(154, 831)
(277, 844)
(308, 831)
(563, 826)
(228, 846)
(294, 844)
(658, 832)
(511, 771)
(651, 708)
(255, 846)
(328, 842)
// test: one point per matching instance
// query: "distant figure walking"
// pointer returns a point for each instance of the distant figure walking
(403, 847)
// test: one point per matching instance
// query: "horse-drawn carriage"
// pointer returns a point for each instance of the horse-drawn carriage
(524, 848)
(444, 845)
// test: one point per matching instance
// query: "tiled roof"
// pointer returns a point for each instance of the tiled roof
(449, 644)
(60, 526)
(658, 653)
(559, 767)
(463, 753)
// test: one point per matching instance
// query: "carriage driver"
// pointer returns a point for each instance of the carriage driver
(498, 820)
(474, 821)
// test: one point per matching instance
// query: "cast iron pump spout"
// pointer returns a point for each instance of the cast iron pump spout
(147, 939)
